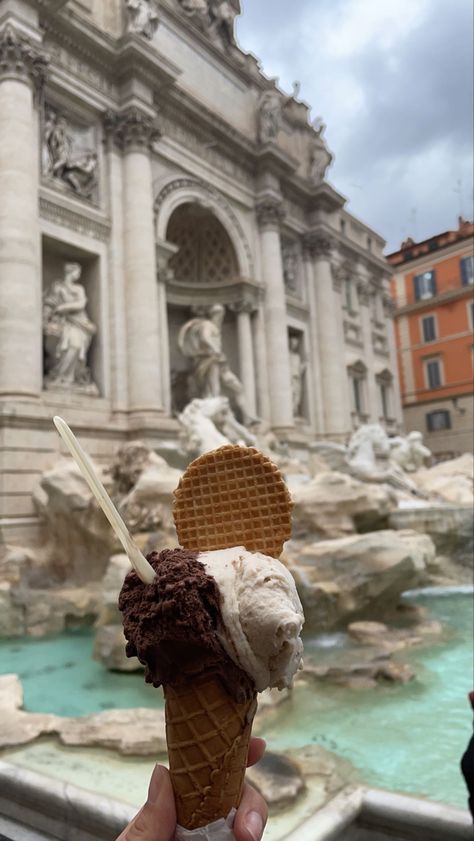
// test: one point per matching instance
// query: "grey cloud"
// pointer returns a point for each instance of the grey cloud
(412, 139)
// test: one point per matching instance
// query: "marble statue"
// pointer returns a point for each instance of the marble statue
(210, 423)
(200, 341)
(222, 14)
(297, 368)
(410, 453)
(269, 117)
(76, 168)
(369, 459)
(319, 157)
(68, 333)
(143, 17)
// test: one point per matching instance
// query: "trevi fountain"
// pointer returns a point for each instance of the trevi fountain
(200, 282)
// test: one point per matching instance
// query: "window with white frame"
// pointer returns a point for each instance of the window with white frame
(470, 314)
(424, 285)
(385, 384)
(357, 378)
(428, 328)
(467, 270)
(433, 373)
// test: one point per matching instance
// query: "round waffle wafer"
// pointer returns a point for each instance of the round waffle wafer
(233, 496)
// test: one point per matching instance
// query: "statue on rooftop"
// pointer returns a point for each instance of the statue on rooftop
(143, 17)
(269, 117)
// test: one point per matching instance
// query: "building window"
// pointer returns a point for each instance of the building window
(433, 373)
(424, 286)
(385, 400)
(437, 421)
(470, 314)
(343, 226)
(357, 392)
(467, 270)
(428, 325)
(357, 376)
(369, 243)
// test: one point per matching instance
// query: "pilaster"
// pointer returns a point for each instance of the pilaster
(270, 214)
(23, 66)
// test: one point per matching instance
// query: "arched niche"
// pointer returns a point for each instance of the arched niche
(192, 192)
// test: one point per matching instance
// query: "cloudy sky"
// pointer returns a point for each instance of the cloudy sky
(393, 82)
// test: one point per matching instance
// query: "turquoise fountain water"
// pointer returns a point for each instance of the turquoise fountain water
(407, 738)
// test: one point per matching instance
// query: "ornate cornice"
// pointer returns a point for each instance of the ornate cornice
(132, 128)
(21, 58)
(318, 244)
(270, 213)
(74, 220)
(247, 305)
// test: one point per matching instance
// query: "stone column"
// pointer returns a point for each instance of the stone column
(134, 132)
(164, 252)
(373, 408)
(270, 214)
(246, 357)
(118, 307)
(261, 365)
(22, 72)
(317, 410)
(334, 385)
(389, 310)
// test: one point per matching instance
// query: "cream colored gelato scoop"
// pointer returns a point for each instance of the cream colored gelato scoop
(261, 612)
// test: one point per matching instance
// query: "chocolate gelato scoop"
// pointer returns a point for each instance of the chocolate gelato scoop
(172, 625)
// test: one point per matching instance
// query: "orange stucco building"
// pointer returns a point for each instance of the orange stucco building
(432, 288)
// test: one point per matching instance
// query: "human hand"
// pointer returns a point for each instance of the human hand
(156, 820)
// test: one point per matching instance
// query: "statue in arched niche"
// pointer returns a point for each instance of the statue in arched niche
(200, 342)
(68, 333)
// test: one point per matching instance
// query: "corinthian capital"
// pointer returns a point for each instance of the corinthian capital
(21, 58)
(318, 244)
(270, 212)
(131, 128)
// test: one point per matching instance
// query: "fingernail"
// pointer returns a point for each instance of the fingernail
(254, 825)
(154, 788)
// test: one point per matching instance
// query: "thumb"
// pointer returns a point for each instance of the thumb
(156, 821)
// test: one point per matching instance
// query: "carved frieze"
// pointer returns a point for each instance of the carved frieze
(131, 128)
(75, 221)
(270, 212)
(69, 154)
(21, 58)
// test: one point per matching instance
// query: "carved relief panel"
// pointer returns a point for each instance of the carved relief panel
(69, 154)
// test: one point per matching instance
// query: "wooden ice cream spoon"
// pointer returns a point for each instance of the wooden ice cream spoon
(138, 561)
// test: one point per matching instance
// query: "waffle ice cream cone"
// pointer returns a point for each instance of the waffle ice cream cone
(208, 737)
(233, 496)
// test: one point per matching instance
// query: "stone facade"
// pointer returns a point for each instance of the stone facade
(139, 143)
